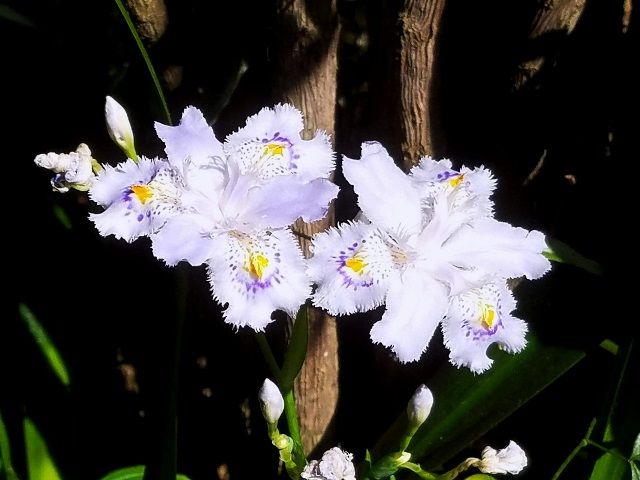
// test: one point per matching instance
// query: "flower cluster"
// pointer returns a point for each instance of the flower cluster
(425, 244)
(227, 205)
(428, 246)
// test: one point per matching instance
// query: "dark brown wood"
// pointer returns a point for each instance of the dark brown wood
(306, 62)
(150, 17)
(419, 25)
(560, 16)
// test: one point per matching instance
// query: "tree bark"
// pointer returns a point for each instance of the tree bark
(555, 16)
(306, 63)
(150, 17)
(419, 25)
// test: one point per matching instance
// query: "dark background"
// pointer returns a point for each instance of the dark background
(109, 306)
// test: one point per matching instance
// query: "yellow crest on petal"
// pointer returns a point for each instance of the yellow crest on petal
(256, 265)
(143, 193)
(272, 149)
(356, 263)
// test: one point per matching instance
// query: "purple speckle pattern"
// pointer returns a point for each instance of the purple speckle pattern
(446, 175)
(276, 137)
(348, 280)
(471, 323)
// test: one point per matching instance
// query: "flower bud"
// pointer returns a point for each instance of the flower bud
(119, 127)
(271, 401)
(419, 406)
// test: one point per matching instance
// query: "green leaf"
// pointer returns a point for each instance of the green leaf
(11, 15)
(296, 351)
(635, 451)
(467, 406)
(480, 476)
(47, 347)
(147, 59)
(6, 466)
(635, 471)
(62, 216)
(609, 467)
(132, 473)
(40, 466)
(561, 252)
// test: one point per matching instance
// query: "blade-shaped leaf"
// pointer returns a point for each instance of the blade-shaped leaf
(132, 473)
(127, 473)
(609, 467)
(47, 347)
(467, 406)
(561, 252)
(6, 466)
(297, 350)
(635, 451)
(62, 216)
(40, 465)
(11, 15)
(635, 471)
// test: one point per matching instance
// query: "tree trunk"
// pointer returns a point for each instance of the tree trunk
(306, 62)
(555, 16)
(419, 25)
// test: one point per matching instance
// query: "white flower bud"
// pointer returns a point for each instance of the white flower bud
(271, 401)
(73, 169)
(511, 459)
(119, 126)
(335, 464)
(56, 162)
(419, 406)
(79, 170)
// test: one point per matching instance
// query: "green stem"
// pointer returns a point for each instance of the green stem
(291, 413)
(567, 461)
(268, 355)
(147, 60)
(162, 464)
(606, 450)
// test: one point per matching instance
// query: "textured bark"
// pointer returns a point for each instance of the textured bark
(306, 62)
(419, 24)
(150, 17)
(554, 16)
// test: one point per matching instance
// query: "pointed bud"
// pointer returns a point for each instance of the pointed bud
(419, 406)
(271, 401)
(511, 459)
(119, 127)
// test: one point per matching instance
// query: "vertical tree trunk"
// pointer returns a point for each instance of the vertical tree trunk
(419, 25)
(306, 62)
(554, 16)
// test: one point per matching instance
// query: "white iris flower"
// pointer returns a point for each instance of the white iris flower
(427, 247)
(235, 210)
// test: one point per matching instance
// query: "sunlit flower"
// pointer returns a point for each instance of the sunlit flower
(421, 243)
(234, 219)
(478, 318)
(270, 144)
(335, 464)
(72, 170)
(138, 198)
(511, 459)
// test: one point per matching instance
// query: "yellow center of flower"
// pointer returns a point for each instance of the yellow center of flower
(457, 180)
(272, 149)
(256, 264)
(356, 263)
(143, 193)
(487, 316)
